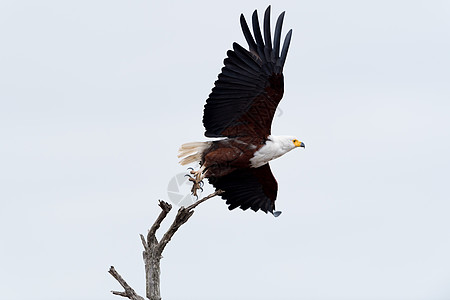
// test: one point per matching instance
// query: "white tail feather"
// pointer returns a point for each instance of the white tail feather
(192, 152)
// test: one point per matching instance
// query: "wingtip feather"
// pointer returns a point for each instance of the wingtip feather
(247, 34)
(277, 36)
(284, 51)
(267, 35)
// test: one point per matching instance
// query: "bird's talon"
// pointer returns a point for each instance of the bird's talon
(196, 177)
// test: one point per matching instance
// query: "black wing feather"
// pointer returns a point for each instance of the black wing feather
(284, 51)
(250, 83)
(247, 34)
(277, 38)
(267, 38)
(258, 36)
(254, 188)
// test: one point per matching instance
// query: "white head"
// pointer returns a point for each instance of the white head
(286, 142)
(274, 147)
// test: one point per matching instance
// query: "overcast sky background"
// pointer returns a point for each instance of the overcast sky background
(97, 96)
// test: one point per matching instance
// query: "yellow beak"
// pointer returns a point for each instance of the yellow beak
(299, 144)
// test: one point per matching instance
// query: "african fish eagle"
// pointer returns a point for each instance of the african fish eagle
(240, 110)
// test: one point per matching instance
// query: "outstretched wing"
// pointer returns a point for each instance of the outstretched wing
(254, 188)
(247, 92)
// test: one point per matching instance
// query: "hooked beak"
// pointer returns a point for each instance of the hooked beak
(297, 143)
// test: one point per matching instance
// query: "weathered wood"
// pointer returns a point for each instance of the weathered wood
(153, 249)
(152, 257)
(129, 292)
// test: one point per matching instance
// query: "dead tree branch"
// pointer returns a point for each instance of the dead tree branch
(153, 249)
(129, 292)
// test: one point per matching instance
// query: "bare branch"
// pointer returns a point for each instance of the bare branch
(182, 217)
(144, 242)
(123, 294)
(129, 292)
(166, 207)
(192, 206)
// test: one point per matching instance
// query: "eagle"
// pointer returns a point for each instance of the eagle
(239, 113)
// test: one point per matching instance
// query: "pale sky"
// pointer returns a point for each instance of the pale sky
(97, 96)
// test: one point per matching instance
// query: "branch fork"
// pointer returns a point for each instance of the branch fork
(153, 249)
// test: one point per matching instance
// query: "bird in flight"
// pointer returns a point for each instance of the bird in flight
(239, 111)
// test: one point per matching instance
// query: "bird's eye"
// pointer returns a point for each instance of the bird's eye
(294, 141)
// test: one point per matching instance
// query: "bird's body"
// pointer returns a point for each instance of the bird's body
(221, 157)
(240, 110)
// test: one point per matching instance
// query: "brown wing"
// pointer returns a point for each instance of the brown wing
(250, 86)
(254, 188)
